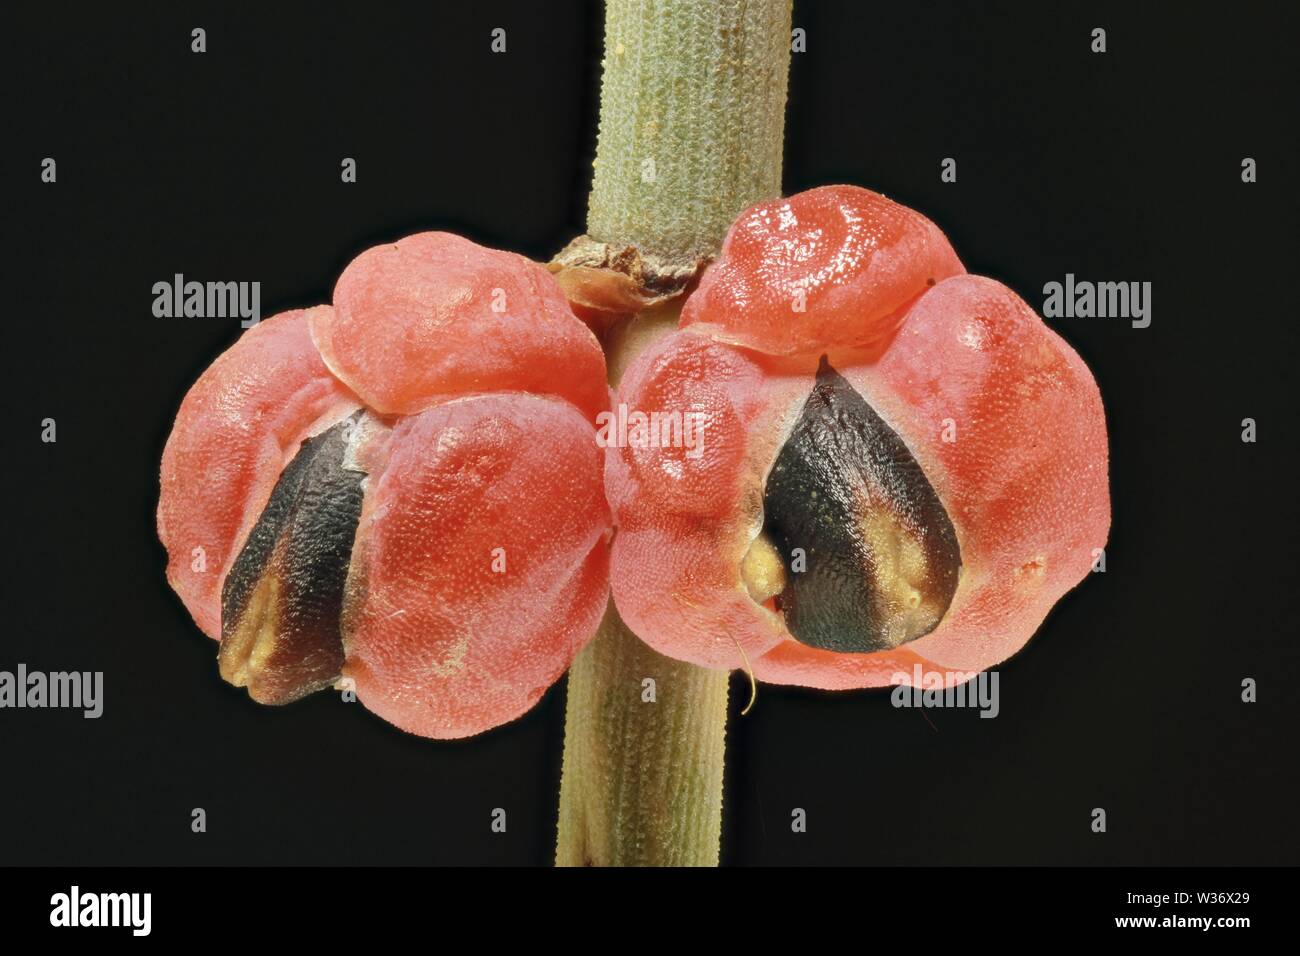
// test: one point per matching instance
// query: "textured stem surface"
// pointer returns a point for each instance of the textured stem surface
(642, 779)
(692, 112)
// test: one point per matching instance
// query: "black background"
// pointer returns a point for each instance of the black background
(1122, 166)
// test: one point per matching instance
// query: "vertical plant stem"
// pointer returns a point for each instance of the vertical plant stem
(642, 780)
(692, 113)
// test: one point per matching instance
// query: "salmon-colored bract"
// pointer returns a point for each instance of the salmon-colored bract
(824, 269)
(253, 406)
(454, 385)
(480, 563)
(434, 316)
(998, 417)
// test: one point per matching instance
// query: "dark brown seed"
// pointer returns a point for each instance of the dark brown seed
(281, 601)
(871, 555)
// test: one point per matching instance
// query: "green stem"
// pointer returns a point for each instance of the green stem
(642, 779)
(692, 114)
